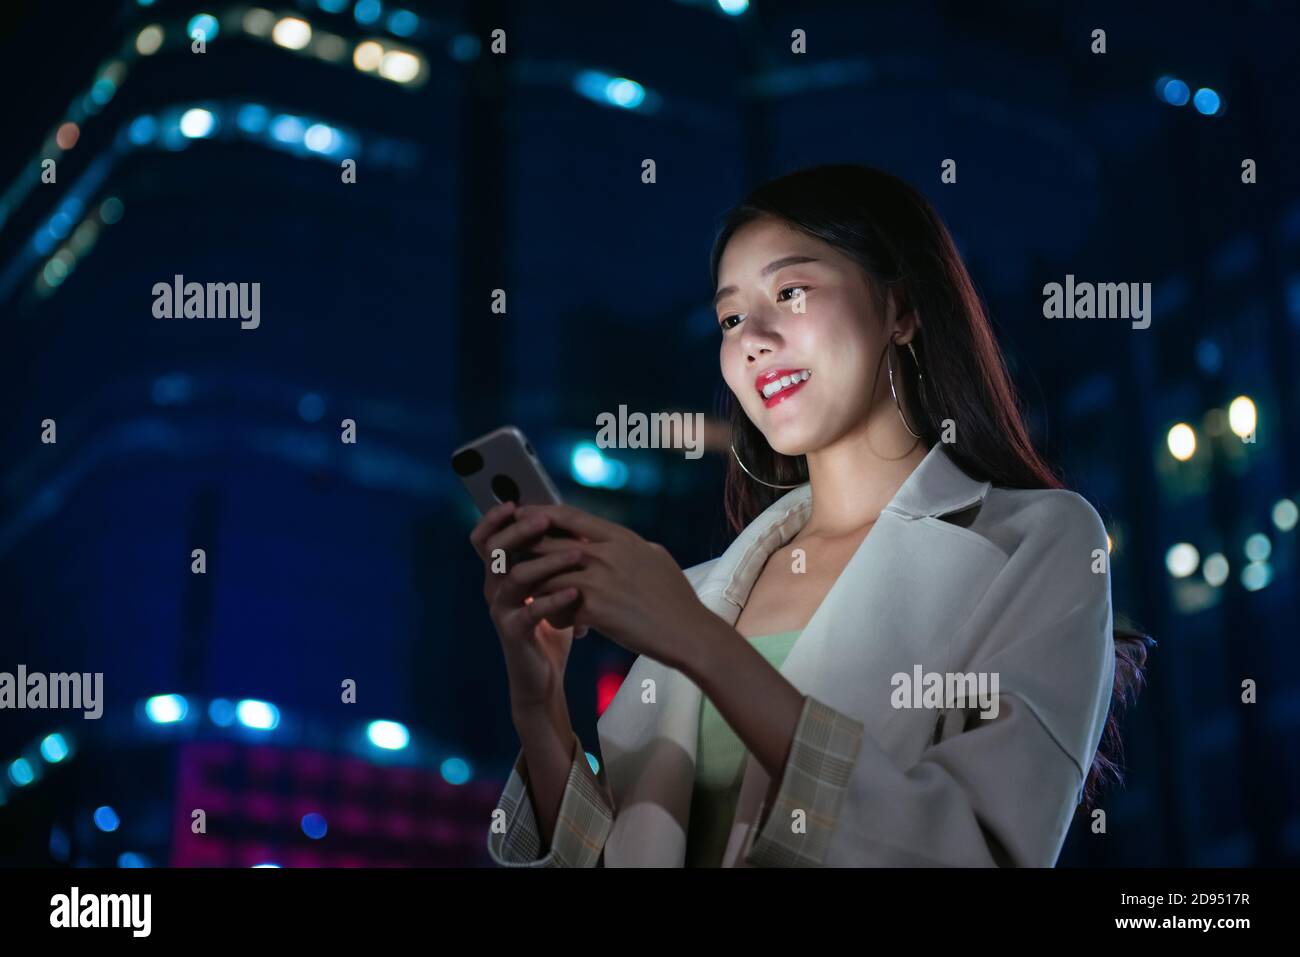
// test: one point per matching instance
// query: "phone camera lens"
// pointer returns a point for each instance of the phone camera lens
(504, 488)
(467, 462)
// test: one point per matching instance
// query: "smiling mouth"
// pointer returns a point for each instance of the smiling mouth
(776, 387)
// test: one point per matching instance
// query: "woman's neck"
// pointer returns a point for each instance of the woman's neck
(854, 478)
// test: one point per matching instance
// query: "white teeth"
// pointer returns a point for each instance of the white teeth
(776, 385)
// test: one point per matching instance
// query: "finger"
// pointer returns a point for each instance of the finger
(524, 577)
(550, 544)
(493, 520)
(576, 578)
(575, 521)
(540, 608)
(516, 537)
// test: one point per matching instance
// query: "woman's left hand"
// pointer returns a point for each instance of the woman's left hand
(632, 590)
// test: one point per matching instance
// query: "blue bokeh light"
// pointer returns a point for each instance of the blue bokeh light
(221, 712)
(311, 407)
(106, 819)
(204, 24)
(1173, 91)
(455, 771)
(590, 466)
(288, 129)
(403, 23)
(21, 772)
(166, 708)
(258, 715)
(142, 130)
(367, 12)
(389, 735)
(1206, 101)
(54, 748)
(252, 118)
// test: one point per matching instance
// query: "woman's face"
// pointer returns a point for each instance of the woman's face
(833, 334)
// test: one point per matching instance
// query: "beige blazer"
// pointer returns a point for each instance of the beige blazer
(1021, 590)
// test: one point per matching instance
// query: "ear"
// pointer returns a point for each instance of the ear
(906, 322)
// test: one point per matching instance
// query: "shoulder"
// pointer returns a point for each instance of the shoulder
(1039, 521)
(1057, 568)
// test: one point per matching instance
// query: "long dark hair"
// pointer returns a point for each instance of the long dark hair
(894, 233)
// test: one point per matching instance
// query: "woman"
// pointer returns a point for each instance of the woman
(797, 701)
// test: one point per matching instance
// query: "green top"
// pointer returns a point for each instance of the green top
(719, 768)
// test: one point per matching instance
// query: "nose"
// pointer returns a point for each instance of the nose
(760, 338)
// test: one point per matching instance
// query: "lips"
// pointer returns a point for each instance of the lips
(776, 385)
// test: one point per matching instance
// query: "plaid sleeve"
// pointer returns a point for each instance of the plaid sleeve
(585, 818)
(813, 782)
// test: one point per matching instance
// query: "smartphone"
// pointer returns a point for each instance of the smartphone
(503, 467)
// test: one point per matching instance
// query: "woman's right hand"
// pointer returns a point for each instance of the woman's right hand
(536, 651)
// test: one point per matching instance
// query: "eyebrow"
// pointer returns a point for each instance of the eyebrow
(767, 270)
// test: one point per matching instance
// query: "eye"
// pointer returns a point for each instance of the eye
(726, 323)
(790, 289)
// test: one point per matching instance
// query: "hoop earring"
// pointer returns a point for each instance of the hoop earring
(755, 477)
(889, 365)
